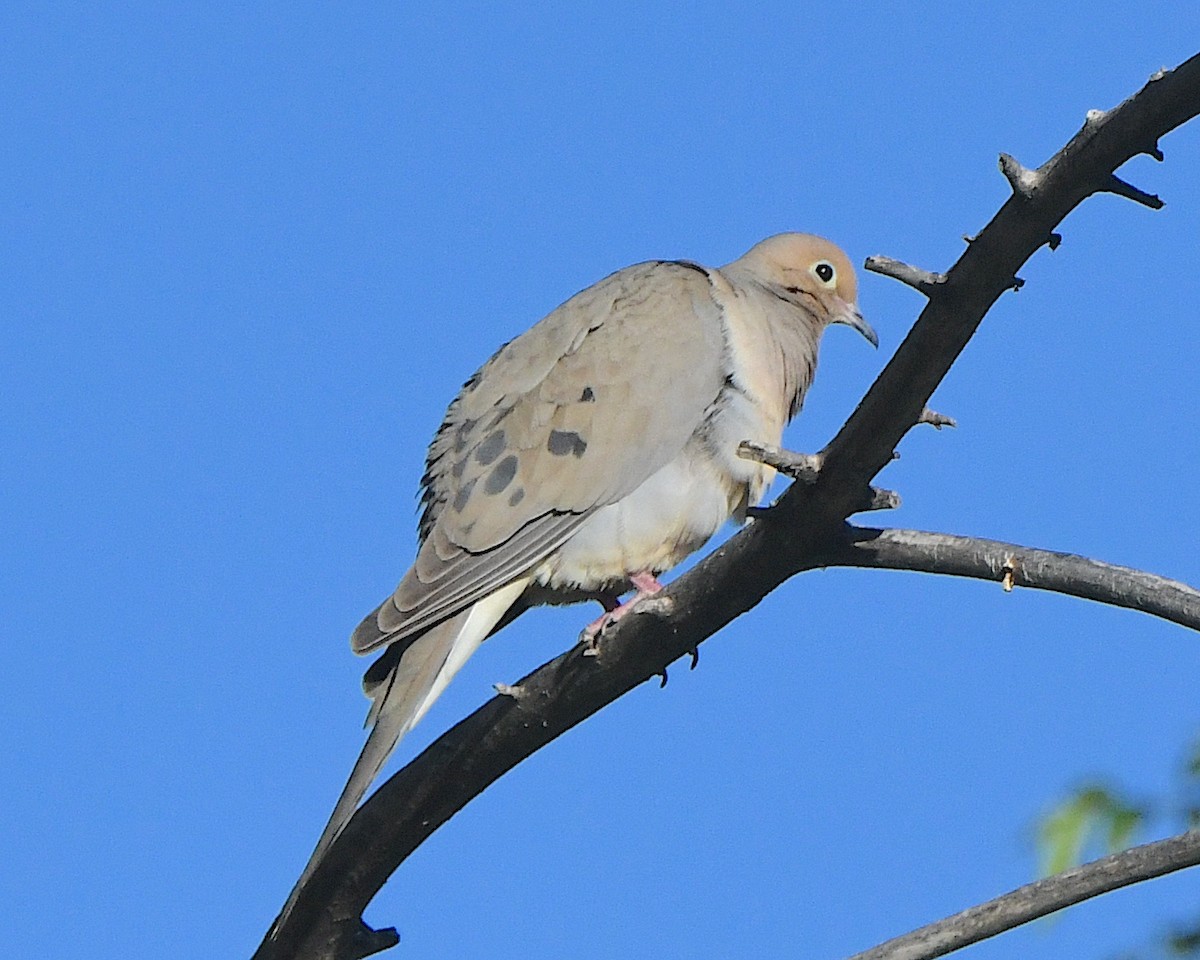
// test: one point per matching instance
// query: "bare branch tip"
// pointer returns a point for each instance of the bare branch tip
(884, 499)
(920, 280)
(1017, 284)
(1022, 180)
(798, 466)
(1127, 190)
(1054, 241)
(508, 690)
(935, 419)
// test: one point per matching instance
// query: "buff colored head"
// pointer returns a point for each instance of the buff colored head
(812, 273)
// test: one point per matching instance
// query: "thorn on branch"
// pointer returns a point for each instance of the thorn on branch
(1127, 190)
(882, 500)
(799, 466)
(1017, 284)
(1054, 240)
(1008, 572)
(920, 280)
(365, 941)
(663, 676)
(970, 238)
(935, 419)
(1154, 151)
(695, 652)
(1094, 118)
(876, 498)
(1022, 180)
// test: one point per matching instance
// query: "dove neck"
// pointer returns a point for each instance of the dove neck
(773, 344)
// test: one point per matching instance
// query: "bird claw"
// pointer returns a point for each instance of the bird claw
(644, 601)
(591, 641)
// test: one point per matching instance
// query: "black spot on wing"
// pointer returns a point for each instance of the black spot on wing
(463, 495)
(588, 395)
(501, 476)
(461, 433)
(517, 496)
(491, 448)
(562, 442)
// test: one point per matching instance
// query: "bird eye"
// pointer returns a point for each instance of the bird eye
(823, 271)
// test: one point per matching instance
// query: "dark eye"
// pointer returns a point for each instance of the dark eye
(824, 271)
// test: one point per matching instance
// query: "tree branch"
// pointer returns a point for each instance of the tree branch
(989, 265)
(1016, 566)
(1041, 898)
(806, 524)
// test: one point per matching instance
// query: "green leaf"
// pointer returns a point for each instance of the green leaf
(1093, 821)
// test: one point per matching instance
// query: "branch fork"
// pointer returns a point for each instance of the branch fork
(805, 468)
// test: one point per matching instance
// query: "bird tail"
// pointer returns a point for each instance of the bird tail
(401, 693)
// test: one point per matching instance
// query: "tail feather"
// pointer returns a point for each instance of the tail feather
(401, 697)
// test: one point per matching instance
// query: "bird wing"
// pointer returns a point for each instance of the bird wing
(573, 414)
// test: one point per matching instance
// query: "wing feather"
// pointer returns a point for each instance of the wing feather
(573, 414)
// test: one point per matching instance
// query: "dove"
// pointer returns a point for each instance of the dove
(592, 453)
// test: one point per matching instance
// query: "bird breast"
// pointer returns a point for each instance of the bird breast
(675, 511)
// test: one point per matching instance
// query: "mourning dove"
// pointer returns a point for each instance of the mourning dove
(594, 451)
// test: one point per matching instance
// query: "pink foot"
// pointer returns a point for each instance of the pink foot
(646, 585)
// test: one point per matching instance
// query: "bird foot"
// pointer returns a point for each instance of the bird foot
(647, 586)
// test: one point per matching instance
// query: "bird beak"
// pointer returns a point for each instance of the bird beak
(852, 318)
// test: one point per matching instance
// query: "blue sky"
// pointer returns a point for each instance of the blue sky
(250, 253)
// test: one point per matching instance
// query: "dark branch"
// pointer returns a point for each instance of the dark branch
(989, 265)
(1130, 192)
(806, 524)
(1041, 898)
(1014, 565)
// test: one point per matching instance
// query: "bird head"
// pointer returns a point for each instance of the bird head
(812, 273)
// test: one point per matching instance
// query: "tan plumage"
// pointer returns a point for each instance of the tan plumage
(598, 445)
